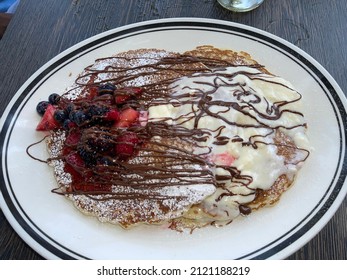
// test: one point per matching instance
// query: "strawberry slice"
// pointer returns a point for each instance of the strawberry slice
(126, 143)
(127, 117)
(47, 121)
(225, 159)
(75, 160)
(124, 94)
(121, 99)
(73, 138)
(74, 165)
(77, 167)
(112, 115)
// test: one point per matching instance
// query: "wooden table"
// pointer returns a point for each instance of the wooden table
(41, 29)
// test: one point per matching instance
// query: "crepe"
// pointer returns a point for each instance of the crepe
(211, 135)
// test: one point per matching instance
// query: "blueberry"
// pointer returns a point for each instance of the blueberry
(69, 108)
(79, 117)
(94, 110)
(60, 116)
(102, 144)
(54, 98)
(105, 160)
(67, 124)
(107, 88)
(41, 107)
(89, 157)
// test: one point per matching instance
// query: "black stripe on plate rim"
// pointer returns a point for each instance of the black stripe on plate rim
(170, 26)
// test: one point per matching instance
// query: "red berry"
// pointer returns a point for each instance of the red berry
(126, 144)
(73, 138)
(223, 159)
(48, 121)
(124, 94)
(112, 115)
(122, 124)
(74, 166)
(127, 117)
(128, 138)
(120, 99)
(74, 160)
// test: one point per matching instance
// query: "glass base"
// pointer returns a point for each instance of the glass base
(240, 5)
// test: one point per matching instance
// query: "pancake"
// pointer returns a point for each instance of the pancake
(150, 137)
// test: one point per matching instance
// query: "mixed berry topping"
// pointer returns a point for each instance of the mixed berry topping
(100, 129)
(110, 107)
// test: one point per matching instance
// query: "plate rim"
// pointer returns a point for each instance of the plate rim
(145, 25)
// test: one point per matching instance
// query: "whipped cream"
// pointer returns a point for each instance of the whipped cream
(242, 109)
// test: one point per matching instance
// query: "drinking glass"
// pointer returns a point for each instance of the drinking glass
(240, 5)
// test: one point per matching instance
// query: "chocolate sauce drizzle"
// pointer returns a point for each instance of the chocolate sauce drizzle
(164, 157)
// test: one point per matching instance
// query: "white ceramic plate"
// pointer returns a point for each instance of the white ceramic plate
(55, 229)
